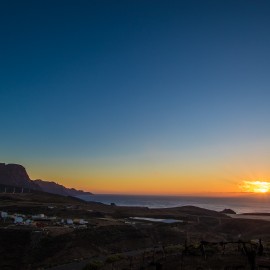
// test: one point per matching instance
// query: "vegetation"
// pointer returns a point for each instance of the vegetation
(94, 265)
(174, 249)
(115, 258)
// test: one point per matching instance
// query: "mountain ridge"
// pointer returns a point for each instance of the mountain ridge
(55, 188)
(17, 176)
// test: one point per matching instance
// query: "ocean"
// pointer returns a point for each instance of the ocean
(259, 203)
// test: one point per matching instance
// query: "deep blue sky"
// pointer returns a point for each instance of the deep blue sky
(97, 84)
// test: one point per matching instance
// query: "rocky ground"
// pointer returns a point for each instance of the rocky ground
(138, 244)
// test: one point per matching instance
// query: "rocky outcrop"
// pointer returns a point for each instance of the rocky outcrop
(55, 188)
(15, 175)
(227, 211)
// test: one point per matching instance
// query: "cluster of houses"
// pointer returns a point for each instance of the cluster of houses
(40, 220)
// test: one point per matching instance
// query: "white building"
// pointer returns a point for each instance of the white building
(38, 216)
(28, 221)
(18, 219)
(4, 214)
(69, 221)
(80, 221)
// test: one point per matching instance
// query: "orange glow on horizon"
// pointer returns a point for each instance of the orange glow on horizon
(154, 180)
(159, 186)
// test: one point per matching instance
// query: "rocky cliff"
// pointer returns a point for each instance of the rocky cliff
(15, 175)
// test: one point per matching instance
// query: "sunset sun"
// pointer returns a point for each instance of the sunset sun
(255, 186)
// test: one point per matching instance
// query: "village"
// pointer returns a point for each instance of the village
(40, 221)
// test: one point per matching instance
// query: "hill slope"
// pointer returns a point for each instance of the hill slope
(55, 188)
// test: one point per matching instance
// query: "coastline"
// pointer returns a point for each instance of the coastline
(251, 216)
(240, 204)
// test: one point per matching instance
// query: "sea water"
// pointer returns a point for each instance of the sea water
(259, 203)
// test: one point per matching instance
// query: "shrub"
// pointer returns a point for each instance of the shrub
(94, 265)
(114, 258)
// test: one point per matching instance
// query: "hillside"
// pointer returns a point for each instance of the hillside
(52, 187)
(110, 231)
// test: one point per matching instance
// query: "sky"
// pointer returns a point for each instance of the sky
(137, 97)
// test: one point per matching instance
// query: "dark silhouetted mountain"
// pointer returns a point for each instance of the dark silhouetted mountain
(55, 188)
(15, 175)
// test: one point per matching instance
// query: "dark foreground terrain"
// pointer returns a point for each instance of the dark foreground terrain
(108, 239)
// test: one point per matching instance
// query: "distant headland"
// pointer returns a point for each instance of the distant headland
(15, 175)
